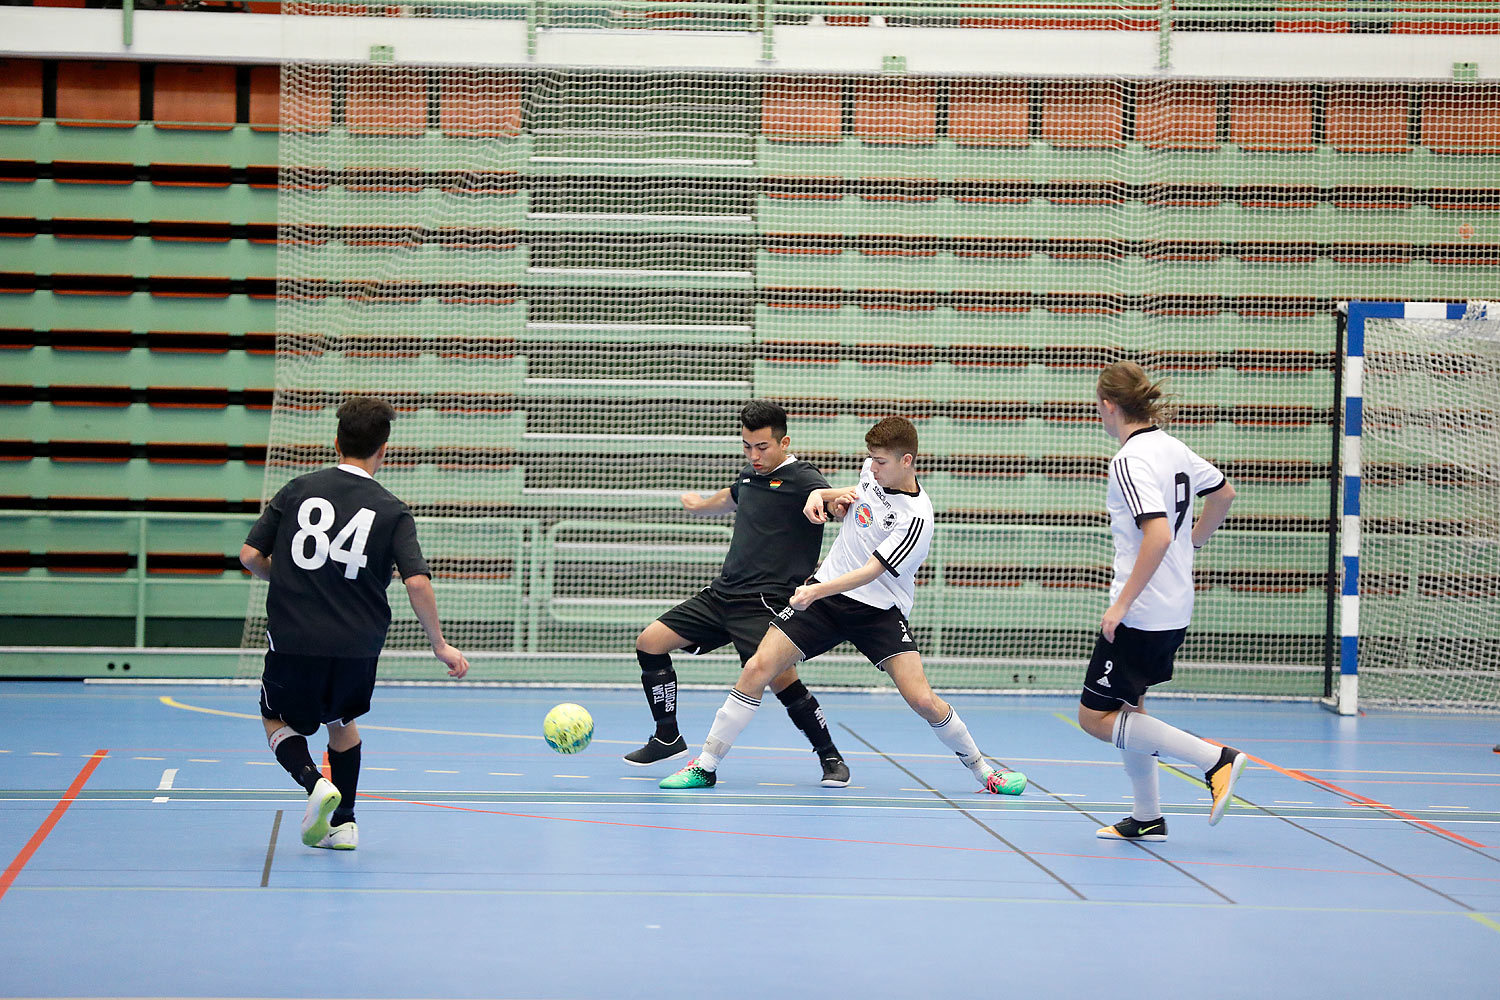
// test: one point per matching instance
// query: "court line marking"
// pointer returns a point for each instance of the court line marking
(1491, 924)
(1352, 797)
(968, 815)
(265, 873)
(8, 877)
(165, 784)
(745, 894)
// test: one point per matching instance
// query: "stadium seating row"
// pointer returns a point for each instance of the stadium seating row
(1166, 115)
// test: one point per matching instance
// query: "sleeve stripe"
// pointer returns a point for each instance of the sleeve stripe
(908, 543)
(1216, 487)
(1127, 486)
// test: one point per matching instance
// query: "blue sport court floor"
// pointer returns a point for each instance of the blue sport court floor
(151, 849)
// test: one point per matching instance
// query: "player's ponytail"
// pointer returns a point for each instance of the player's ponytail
(1141, 400)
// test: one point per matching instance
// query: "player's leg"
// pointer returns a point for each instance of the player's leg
(350, 689)
(344, 746)
(747, 624)
(697, 625)
(1118, 675)
(905, 669)
(653, 651)
(290, 707)
(775, 654)
(807, 715)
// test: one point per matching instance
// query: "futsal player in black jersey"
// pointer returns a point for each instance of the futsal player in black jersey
(327, 543)
(773, 550)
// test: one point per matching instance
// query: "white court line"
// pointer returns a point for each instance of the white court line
(167, 777)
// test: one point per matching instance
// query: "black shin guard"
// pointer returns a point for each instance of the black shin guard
(659, 681)
(343, 769)
(292, 754)
(807, 716)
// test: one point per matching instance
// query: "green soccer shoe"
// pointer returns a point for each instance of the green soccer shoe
(691, 776)
(1004, 781)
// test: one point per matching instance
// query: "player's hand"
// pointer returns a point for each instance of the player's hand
(457, 663)
(803, 596)
(813, 510)
(1111, 621)
(691, 501)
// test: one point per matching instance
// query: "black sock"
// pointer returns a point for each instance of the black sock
(293, 755)
(343, 766)
(659, 681)
(807, 716)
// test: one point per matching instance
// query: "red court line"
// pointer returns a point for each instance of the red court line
(1356, 797)
(1137, 858)
(1362, 800)
(14, 869)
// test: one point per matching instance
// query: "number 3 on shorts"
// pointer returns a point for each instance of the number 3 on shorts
(314, 518)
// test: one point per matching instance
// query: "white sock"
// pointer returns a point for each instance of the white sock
(729, 722)
(1145, 782)
(1146, 734)
(955, 736)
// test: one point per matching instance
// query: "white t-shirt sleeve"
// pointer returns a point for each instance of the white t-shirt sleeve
(906, 547)
(1206, 475)
(1140, 486)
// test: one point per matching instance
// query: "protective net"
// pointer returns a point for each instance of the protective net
(1429, 518)
(569, 280)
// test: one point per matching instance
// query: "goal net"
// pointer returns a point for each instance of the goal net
(569, 279)
(1428, 503)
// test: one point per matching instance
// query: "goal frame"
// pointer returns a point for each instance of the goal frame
(1343, 694)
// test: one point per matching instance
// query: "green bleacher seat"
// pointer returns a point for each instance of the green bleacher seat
(139, 368)
(141, 201)
(235, 424)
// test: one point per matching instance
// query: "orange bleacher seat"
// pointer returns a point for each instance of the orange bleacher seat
(194, 97)
(1177, 115)
(100, 94)
(472, 104)
(989, 113)
(385, 100)
(808, 109)
(1271, 117)
(265, 98)
(1083, 115)
(1461, 118)
(895, 112)
(20, 91)
(1367, 118)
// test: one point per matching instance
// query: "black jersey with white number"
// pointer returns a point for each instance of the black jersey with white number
(774, 548)
(333, 537)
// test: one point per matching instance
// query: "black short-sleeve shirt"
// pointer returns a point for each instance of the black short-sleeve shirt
(774, 548)
(333, 537)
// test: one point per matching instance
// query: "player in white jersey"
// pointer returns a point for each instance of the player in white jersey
(1152, 481)
(861, 593)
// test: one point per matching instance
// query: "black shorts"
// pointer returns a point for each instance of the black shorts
(307, 691)
(709, 619)
(879, 633)
(1122, 670)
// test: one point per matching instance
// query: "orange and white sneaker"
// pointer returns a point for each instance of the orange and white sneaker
(1220, 780)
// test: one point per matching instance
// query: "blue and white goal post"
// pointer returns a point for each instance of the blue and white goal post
(1343, 696)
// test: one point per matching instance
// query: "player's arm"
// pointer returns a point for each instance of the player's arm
(707, 506)
(831, 502)
(1215, 509)
(424, 603)
(1156, 538)
(255, 561)
(854, 579)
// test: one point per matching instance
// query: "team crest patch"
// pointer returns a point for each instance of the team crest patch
(863, 515)
(889, 521)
